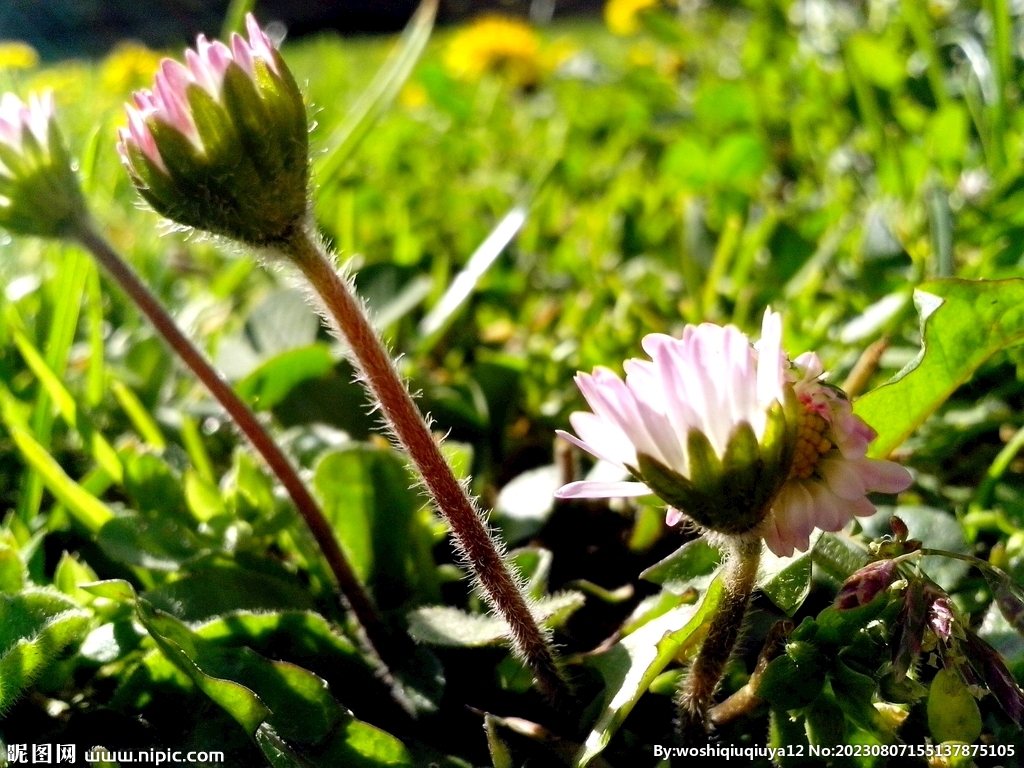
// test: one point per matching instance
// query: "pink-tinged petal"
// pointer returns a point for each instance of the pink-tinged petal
(779, 544)
(883, 476)
(242, 54)
(742, 396)
(593, 450)
(853, 435)
(219, 58)
(143, 138)
(842, 476)
(861, 507)
(202, 73)
(172, 82)
(828, 514)
(614, 402)
(641, 379)
(259, 42)
(673, 517)
(669, 363)
(592, 489)
(606, 440)
(771, 371)
(801, 514)
(810, 365)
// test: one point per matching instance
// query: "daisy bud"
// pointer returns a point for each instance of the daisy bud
(220, 143)
(39, 194)
(866, 584)
(733, 435)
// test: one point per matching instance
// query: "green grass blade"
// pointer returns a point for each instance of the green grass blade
(83, 506)
(234, 18)
(144, 423)
(381, 92)
(66, 305)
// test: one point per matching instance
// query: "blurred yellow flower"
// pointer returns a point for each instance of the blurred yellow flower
(413, 96)
(15, 54)
(621, 15)
(129, 67)
(496, 44)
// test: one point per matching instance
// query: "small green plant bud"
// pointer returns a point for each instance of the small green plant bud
(221, 143)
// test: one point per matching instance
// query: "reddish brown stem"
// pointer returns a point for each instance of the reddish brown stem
(352, 591)
(409, 427)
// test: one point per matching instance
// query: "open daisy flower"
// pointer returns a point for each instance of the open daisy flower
(733, 435)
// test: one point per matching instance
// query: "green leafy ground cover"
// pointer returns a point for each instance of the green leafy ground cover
(857, 167)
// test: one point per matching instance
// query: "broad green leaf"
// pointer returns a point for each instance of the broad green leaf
(287, 710)
(35, 625)
(964, 323)
(221, 589)
(838, 556)
(13, 574)
(180, 647)
(272, 380)
(631, 665)
(953, 713)
(69, 574)
(447, 626)
(117, 590)
(154, 543)
(367, 495)
(203, 496)
(155, 487)
(786, 580)
(83, 506)
(689, 567)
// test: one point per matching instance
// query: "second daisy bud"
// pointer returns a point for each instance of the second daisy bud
(39, 194)
(221, 143)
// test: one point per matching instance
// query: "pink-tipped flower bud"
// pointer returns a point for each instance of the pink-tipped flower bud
(220, 143)
(39, 194)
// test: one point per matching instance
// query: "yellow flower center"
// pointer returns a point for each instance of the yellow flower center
(811, 444)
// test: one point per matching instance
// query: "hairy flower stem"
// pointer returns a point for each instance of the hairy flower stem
(353, 594)
(698, 691)
(473, 540)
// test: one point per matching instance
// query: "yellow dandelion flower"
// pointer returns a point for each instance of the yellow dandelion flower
(15, 54)
(129, 67)
(499, 45)
(621, 15)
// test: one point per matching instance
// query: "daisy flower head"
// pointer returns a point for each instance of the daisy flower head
(220, 142)
(733, 435)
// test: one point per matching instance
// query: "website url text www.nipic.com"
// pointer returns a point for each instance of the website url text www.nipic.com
(66, 754)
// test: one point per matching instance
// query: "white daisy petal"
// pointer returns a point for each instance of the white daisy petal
(592, 489)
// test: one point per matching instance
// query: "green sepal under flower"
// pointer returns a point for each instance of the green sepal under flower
(731, 494)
